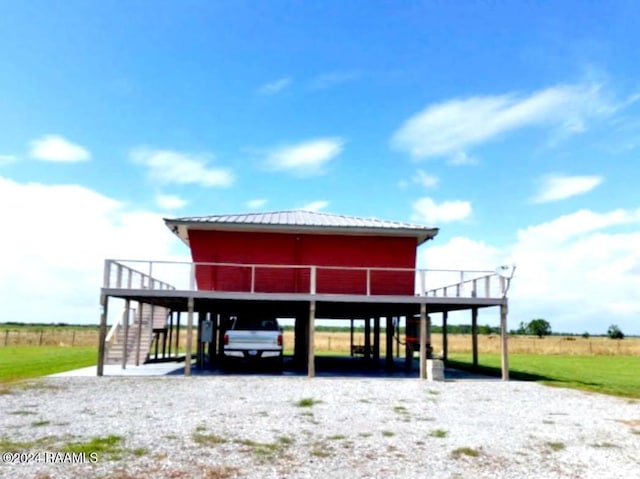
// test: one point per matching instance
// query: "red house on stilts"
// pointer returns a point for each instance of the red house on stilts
(293, 264)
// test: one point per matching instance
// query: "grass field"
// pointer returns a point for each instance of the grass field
(616, 375)
(21, 362)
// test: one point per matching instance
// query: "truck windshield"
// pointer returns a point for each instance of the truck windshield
(256, 325)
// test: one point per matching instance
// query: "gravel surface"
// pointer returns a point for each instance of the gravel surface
(294, 427)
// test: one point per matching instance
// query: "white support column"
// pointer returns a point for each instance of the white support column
(125, 322)
(104, 303)
(187, 354)
(140, 308)
(504, 309)
(423, 341)
(311, 365)
(474, 337)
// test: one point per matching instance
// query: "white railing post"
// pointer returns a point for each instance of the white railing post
(192, 279)
(253, 278)
(368, 281)
(151, 280)
(474, 291)
(423, 284)
(487, 286)
(119, 276)
(312, 280)
(106, 273)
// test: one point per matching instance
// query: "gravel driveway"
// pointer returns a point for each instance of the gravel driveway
(261, 427)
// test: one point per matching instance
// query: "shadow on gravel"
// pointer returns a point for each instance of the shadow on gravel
(497, 372)
(338, 367)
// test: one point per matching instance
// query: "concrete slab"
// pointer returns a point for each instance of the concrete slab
(177, 369)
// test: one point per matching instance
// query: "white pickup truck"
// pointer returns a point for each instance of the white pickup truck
(253, 340)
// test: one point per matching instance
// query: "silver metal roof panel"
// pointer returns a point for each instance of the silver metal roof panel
(299, 220)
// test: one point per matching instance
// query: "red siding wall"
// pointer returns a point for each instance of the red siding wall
(302, 249)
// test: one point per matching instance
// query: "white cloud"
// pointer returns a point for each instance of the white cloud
(256, 204)
(168, 166)
(7, 159)
(560, 187)
(461, 159)
(55, 244)
(568, 227)
(170, 202)
(315, 206)
(329, 80)
(426, 180)
(57, 149)
(576, 270)
(306, 158)
(450, 127)
(428, 211)
(274, 87)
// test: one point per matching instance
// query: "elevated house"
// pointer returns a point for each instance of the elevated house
(290, 264)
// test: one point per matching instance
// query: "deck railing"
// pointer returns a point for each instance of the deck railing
(305, 279)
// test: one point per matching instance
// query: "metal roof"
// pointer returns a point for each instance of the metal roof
(300, 220)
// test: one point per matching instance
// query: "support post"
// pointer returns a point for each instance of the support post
(389, 343)
(408, 347)
(445, 338)
(178, 335)
(140, 308)
(104, 303)
(376, 340)
(125, 321)
(187, 356)
(423, 341)
(213, 345)
(170, 331)
(474, 336)
(351, 337)
(199, 346)
(311, 366)
(367, 339)
(504, 309)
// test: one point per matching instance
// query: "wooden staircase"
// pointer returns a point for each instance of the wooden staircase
(142, 326)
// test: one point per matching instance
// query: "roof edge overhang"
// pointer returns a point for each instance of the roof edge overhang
(181, 228)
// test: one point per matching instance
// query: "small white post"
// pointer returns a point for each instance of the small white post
(312, 280)
(151, 281)
(423, 284)
(368, 281)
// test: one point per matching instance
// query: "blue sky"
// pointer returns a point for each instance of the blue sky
(514, 128)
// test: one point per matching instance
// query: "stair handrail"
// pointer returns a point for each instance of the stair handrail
(112, 334)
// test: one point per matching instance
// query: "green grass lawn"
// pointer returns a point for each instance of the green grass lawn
(617, 375)
(21, 362)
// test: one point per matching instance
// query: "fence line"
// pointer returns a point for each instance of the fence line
(340, 342)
